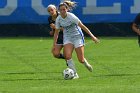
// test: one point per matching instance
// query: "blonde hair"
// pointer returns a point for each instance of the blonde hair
(69, 4)
(51, 6)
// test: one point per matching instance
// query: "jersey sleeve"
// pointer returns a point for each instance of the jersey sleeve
(49, 20)
(57, 23)
(75, 19)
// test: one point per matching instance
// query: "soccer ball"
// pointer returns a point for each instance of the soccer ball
(68, 74)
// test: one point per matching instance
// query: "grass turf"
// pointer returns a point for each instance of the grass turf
(27, 66)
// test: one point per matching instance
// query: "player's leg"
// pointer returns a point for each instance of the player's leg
(57, 51)
(68, 50)
(79, 48)
(82, 59)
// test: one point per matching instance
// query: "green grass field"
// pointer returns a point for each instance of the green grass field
(27, 66)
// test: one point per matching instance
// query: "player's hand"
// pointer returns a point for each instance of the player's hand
(96, 40)
(51, 33)
(52, 26)
(61, 28)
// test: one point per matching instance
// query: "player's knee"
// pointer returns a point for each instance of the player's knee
(67, 57)
(56, 54)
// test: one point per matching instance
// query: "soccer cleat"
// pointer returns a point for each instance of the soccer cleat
(75, 76)
(61, 56)
(88, 66)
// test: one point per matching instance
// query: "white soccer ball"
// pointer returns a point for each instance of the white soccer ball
(68, 74)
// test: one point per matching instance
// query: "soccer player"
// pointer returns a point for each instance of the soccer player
(73, 35)
(51, 19)
(136, 27)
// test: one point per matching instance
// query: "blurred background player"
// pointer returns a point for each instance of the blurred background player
(136, 27)
(51, 19)
(73, 35)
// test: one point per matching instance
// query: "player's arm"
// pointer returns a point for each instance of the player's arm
(135, 28)
(55, 38)
(52, 26)
(80, 24)
(56, 33)
(76, 20)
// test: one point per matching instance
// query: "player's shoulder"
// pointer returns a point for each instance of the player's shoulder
(49, 18)
(58, 17)
(70, 14)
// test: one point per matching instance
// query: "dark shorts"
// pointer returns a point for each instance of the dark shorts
(60, 38)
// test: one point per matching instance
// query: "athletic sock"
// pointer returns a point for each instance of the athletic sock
(71, 65)
(85, 62)
(87, 65)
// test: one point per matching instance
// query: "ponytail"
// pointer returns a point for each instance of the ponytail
(69, 5)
